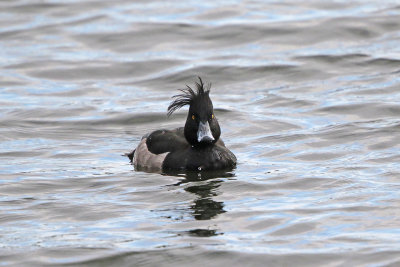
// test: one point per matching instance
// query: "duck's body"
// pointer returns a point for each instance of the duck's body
(196, 146)
(169, 150)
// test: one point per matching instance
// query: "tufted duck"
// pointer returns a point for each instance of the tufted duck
(197, 146)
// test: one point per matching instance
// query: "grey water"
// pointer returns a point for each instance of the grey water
(308, 97)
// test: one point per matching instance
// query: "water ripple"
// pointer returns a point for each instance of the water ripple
(307, 98)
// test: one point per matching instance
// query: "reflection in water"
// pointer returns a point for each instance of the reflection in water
(205, 207)
(204, 185)
(203, 232)
(195, 176)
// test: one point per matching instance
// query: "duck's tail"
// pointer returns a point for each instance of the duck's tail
(130, 155)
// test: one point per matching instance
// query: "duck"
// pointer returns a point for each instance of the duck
(195, 147)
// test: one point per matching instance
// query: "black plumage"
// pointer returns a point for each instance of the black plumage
(188, 96)
(197, 146)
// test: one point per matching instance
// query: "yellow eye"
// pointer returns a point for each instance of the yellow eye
(212, 116)
(193, 117)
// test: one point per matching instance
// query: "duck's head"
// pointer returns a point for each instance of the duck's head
(201, 128)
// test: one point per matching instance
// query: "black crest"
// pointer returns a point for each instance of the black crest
(188, 95)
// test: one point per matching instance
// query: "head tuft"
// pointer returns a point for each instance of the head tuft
(188, 95)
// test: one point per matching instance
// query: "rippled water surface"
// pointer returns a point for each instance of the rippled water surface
(307, 94)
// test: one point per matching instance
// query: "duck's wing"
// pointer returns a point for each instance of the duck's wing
(162, 141)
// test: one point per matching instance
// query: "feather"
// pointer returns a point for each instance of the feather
(188, 95)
